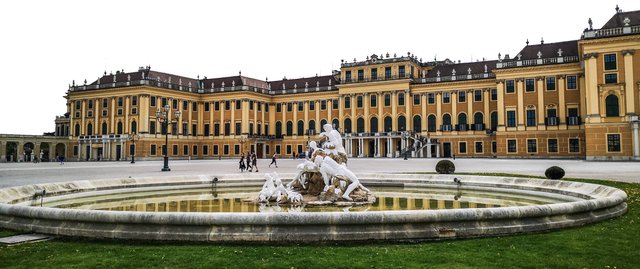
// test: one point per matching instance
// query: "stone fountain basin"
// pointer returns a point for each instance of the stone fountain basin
(587, 203)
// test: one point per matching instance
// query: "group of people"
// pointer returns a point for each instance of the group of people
(251, 162)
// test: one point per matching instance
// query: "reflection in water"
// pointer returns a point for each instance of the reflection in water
(237, 200)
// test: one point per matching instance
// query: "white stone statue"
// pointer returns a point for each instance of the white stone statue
(274, 190)
(333, 141)
(303, 168)
(330, 169)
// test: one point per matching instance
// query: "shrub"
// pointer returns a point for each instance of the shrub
(554, 172)
(445, 167)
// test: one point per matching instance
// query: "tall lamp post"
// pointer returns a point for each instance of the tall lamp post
(162, 115)
(133, 138)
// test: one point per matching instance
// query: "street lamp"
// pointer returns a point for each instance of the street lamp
(163, 115)
(133, 138)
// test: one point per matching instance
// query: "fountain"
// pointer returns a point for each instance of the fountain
(323, 201)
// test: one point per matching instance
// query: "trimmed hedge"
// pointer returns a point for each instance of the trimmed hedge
(445, 167)
(554, 172)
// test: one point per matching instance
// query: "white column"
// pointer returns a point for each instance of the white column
(437, 150)
(636, 138)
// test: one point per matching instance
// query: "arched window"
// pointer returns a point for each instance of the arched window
(104, 128)
(278, 129)
(322, 123)
(289, 128)
(335, 123)
(360, 125)
(119, 127)
(76, 131)
(431, 123)
(417, 124)
(134, 127)
(613, 108)
(478, 118)
(387, 124)
(402, 123)
(373, 123)
(462, 118)
(494, 120)
(446, 119)
(312, 126)
(347, 126)
(300, 127)
(89, 129)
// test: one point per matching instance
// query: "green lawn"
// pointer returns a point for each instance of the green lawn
(609, 244)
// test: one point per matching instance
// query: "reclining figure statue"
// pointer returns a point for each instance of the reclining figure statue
(329, 169)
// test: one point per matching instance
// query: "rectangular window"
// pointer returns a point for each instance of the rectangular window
(511, 118)
(613, 142)
(164, 101)
(238, 128)
(401, 71)
(477, 96)
(152, 127)
(512, 146)
(206, 129)
(511, 86)
(174, 104)
(551, 83)
(289, 107)
(532, 146)
(387, 100)
(250, 104)
(153, 101)
(387, 72)
(574, 145)
(288, 149)
(300, 106)
(572, 82)
(89, 114)
(238, 104)
(530, 85)
(401, 99)
(611, 78)
(195, 150)
(119, 111)
(446, 97)
(360, 75)
(278, 107)
(216, 150)
(347, 102)
(185, 150)
(278, 149)
(104, 112)
(531, 117)
(236, 149)
(216, 129)
(75, 150)
(359, 101)
(134, 100)
(227, 105)
(216, 106)
(462, 97)
(90, 104)
(323, 105)
(374, 73)
(431, 98)
(134, 110)
(347, 76)
(312, 105)
(205, 150)
(552, 145)
(479, 147)
(259, 105)
(185, 105)
(153, 150)
(174, 150)
(105, 102)
(463, 147)
(225, 149)
(416, 99)
(610, 62)
(120, 101)
(494, 94)
(373, 100)
(206, 107)
(334, 104)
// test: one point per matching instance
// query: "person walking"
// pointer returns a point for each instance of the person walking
(249, 168)
(241, 164)
(273, 160)
(254, 161)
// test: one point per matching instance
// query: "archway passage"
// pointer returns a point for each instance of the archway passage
(12, 152)
(28, 150)
(61, 151)
(45, 149)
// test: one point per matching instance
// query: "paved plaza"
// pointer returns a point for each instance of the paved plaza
(15, 174)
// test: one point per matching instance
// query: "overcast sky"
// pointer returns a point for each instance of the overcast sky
(44, 45)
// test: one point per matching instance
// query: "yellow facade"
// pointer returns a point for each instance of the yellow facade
(549, 101)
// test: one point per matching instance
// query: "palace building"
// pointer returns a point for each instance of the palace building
(570, 99)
